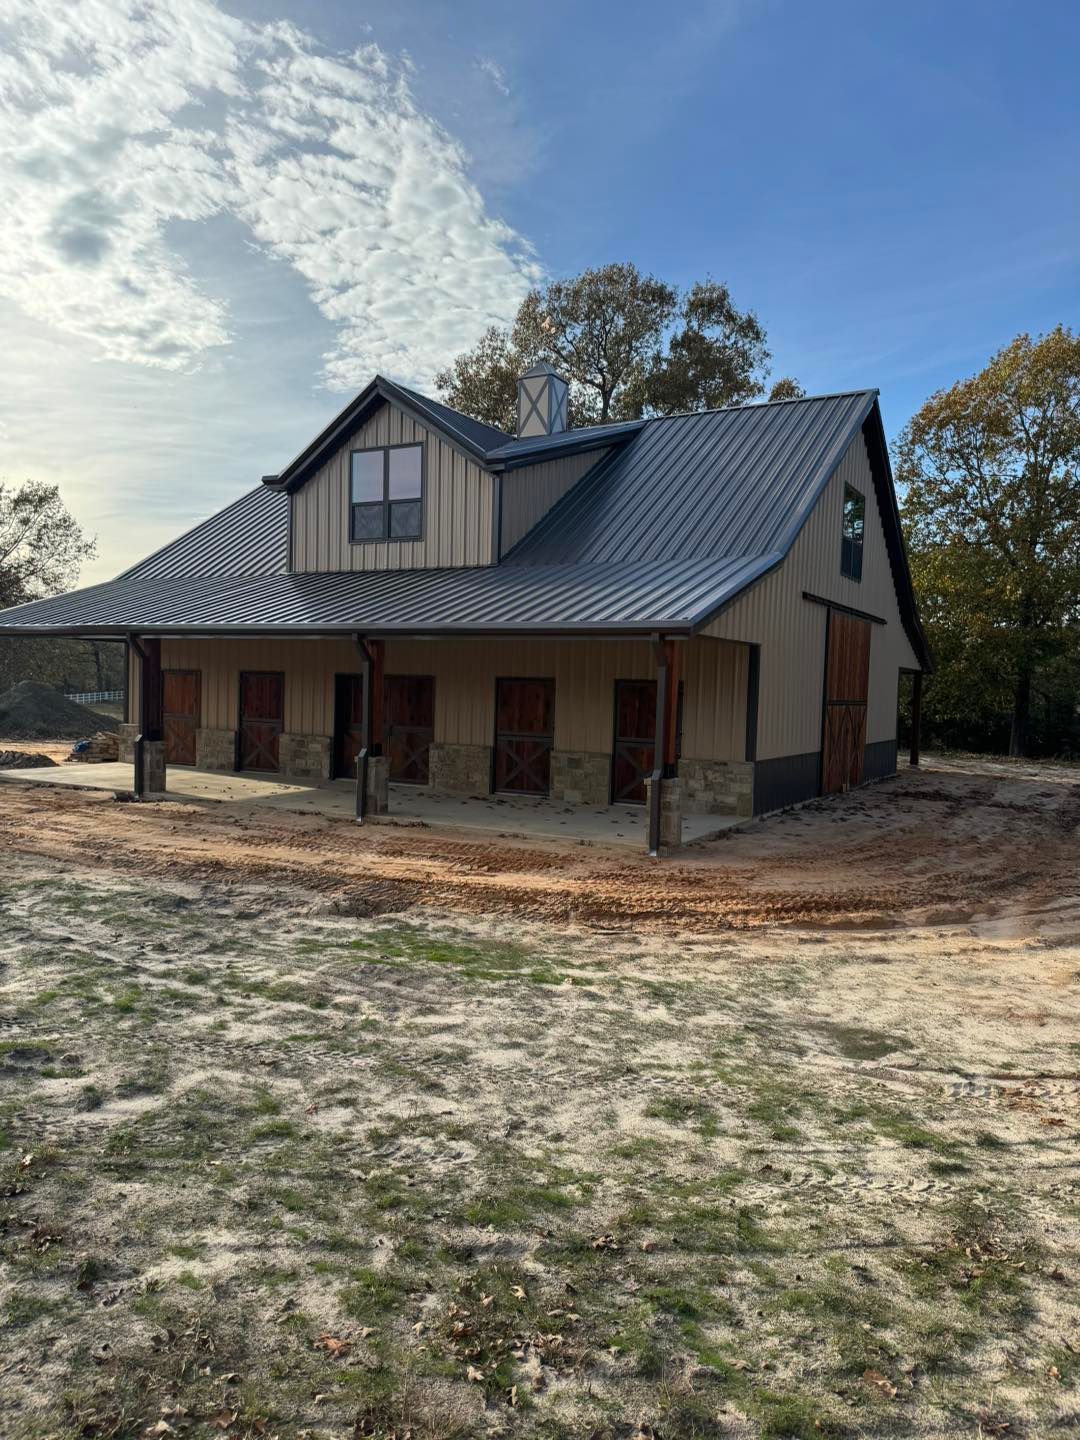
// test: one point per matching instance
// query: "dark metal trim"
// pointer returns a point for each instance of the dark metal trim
(850, 489)
(674, 628)
(386, 538)
(785, 780)
(361, 783)
(753, 686)
(844, 609)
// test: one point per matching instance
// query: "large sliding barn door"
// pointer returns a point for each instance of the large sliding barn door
(262, 718)
(847, 683)
(410, 726)
(524, 732)
(180, 714)
(635, 740)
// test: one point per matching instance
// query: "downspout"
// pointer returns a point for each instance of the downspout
(661, 655)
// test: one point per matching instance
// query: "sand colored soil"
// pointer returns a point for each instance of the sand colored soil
(950, 843)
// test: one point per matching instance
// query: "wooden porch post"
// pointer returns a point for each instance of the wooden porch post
(916, 718)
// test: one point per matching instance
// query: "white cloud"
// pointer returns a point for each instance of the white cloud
(119, 118)
(495, 73)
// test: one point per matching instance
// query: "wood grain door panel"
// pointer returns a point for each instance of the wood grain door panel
(262, 718)
(524, 735)
(350, 723)
(410, 727)
(634, 752)
(180, 704)
(847, 684)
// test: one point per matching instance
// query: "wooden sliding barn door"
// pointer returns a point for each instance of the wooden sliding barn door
(410, 727)
(634, 752)
(262, 718)
(180, 714)
(524, 733)
(847, 684)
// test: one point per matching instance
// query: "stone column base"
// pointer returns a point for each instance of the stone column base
(153, 776)
(580, 777)
(460, 769)
(215, 749)
(126, 738)
(378, 785)
(670, 811)
(305, 757)
(717, 787)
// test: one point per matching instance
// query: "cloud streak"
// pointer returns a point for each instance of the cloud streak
(121, 120)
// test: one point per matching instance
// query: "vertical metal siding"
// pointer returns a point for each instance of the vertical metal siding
(585, 671)
(458, 507)
(528, 494)
(791, 630)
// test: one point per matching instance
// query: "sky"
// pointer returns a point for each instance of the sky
(219, 220)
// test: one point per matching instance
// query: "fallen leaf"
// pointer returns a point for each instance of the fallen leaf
(487, 1301)
(366, 1331)
(419, 1328)
(223, 1419)
(517, 1292)
(1053, 1372)
(333, 1346)
(476, 1376)
(880, 1382)
(649, 1246)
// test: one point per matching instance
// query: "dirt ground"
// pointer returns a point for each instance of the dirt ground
(318, 1131)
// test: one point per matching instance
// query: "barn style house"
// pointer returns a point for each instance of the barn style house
(702, 614)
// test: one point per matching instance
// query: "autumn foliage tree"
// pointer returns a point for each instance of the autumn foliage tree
(628, 344)
(991, 468)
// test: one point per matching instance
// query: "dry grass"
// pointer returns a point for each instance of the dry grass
(272, 1171)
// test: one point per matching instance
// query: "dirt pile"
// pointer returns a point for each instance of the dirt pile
(23, 760)
(33, 711)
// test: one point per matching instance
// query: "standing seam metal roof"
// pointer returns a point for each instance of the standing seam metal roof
(661, 533)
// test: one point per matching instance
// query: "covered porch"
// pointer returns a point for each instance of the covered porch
(531, 817)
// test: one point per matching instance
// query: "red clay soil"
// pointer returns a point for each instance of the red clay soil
(949, 843)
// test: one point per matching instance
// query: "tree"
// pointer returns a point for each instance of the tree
(628, 344)
(41, 544)
(992, 506)
(786, 389)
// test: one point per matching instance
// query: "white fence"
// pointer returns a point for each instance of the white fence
(96, 697)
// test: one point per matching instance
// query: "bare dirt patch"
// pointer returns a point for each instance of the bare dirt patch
(961, 844)
(275, 1166)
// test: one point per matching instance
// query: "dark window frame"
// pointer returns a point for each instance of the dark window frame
(851, 550)
(385, 504)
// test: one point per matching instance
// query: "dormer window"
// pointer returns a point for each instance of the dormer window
(851, 545)
(386, 492)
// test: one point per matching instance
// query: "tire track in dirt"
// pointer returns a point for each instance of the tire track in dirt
(890, 855)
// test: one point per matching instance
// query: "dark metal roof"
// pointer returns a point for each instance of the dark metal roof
(248, 537)
(483, 443)
(670, 595)
(566, 442)
(720, 483)
(483, 437)
(661, 534)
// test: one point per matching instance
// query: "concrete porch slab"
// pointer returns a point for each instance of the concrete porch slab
(518, 815)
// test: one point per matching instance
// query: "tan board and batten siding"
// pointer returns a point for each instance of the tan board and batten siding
(528, 494)
(458, 507)
(791, 630)
(465, 671)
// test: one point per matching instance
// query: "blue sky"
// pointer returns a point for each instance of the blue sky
(221, 218)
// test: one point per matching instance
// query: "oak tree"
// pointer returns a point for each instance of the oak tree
(628, 344)
(991, 468)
